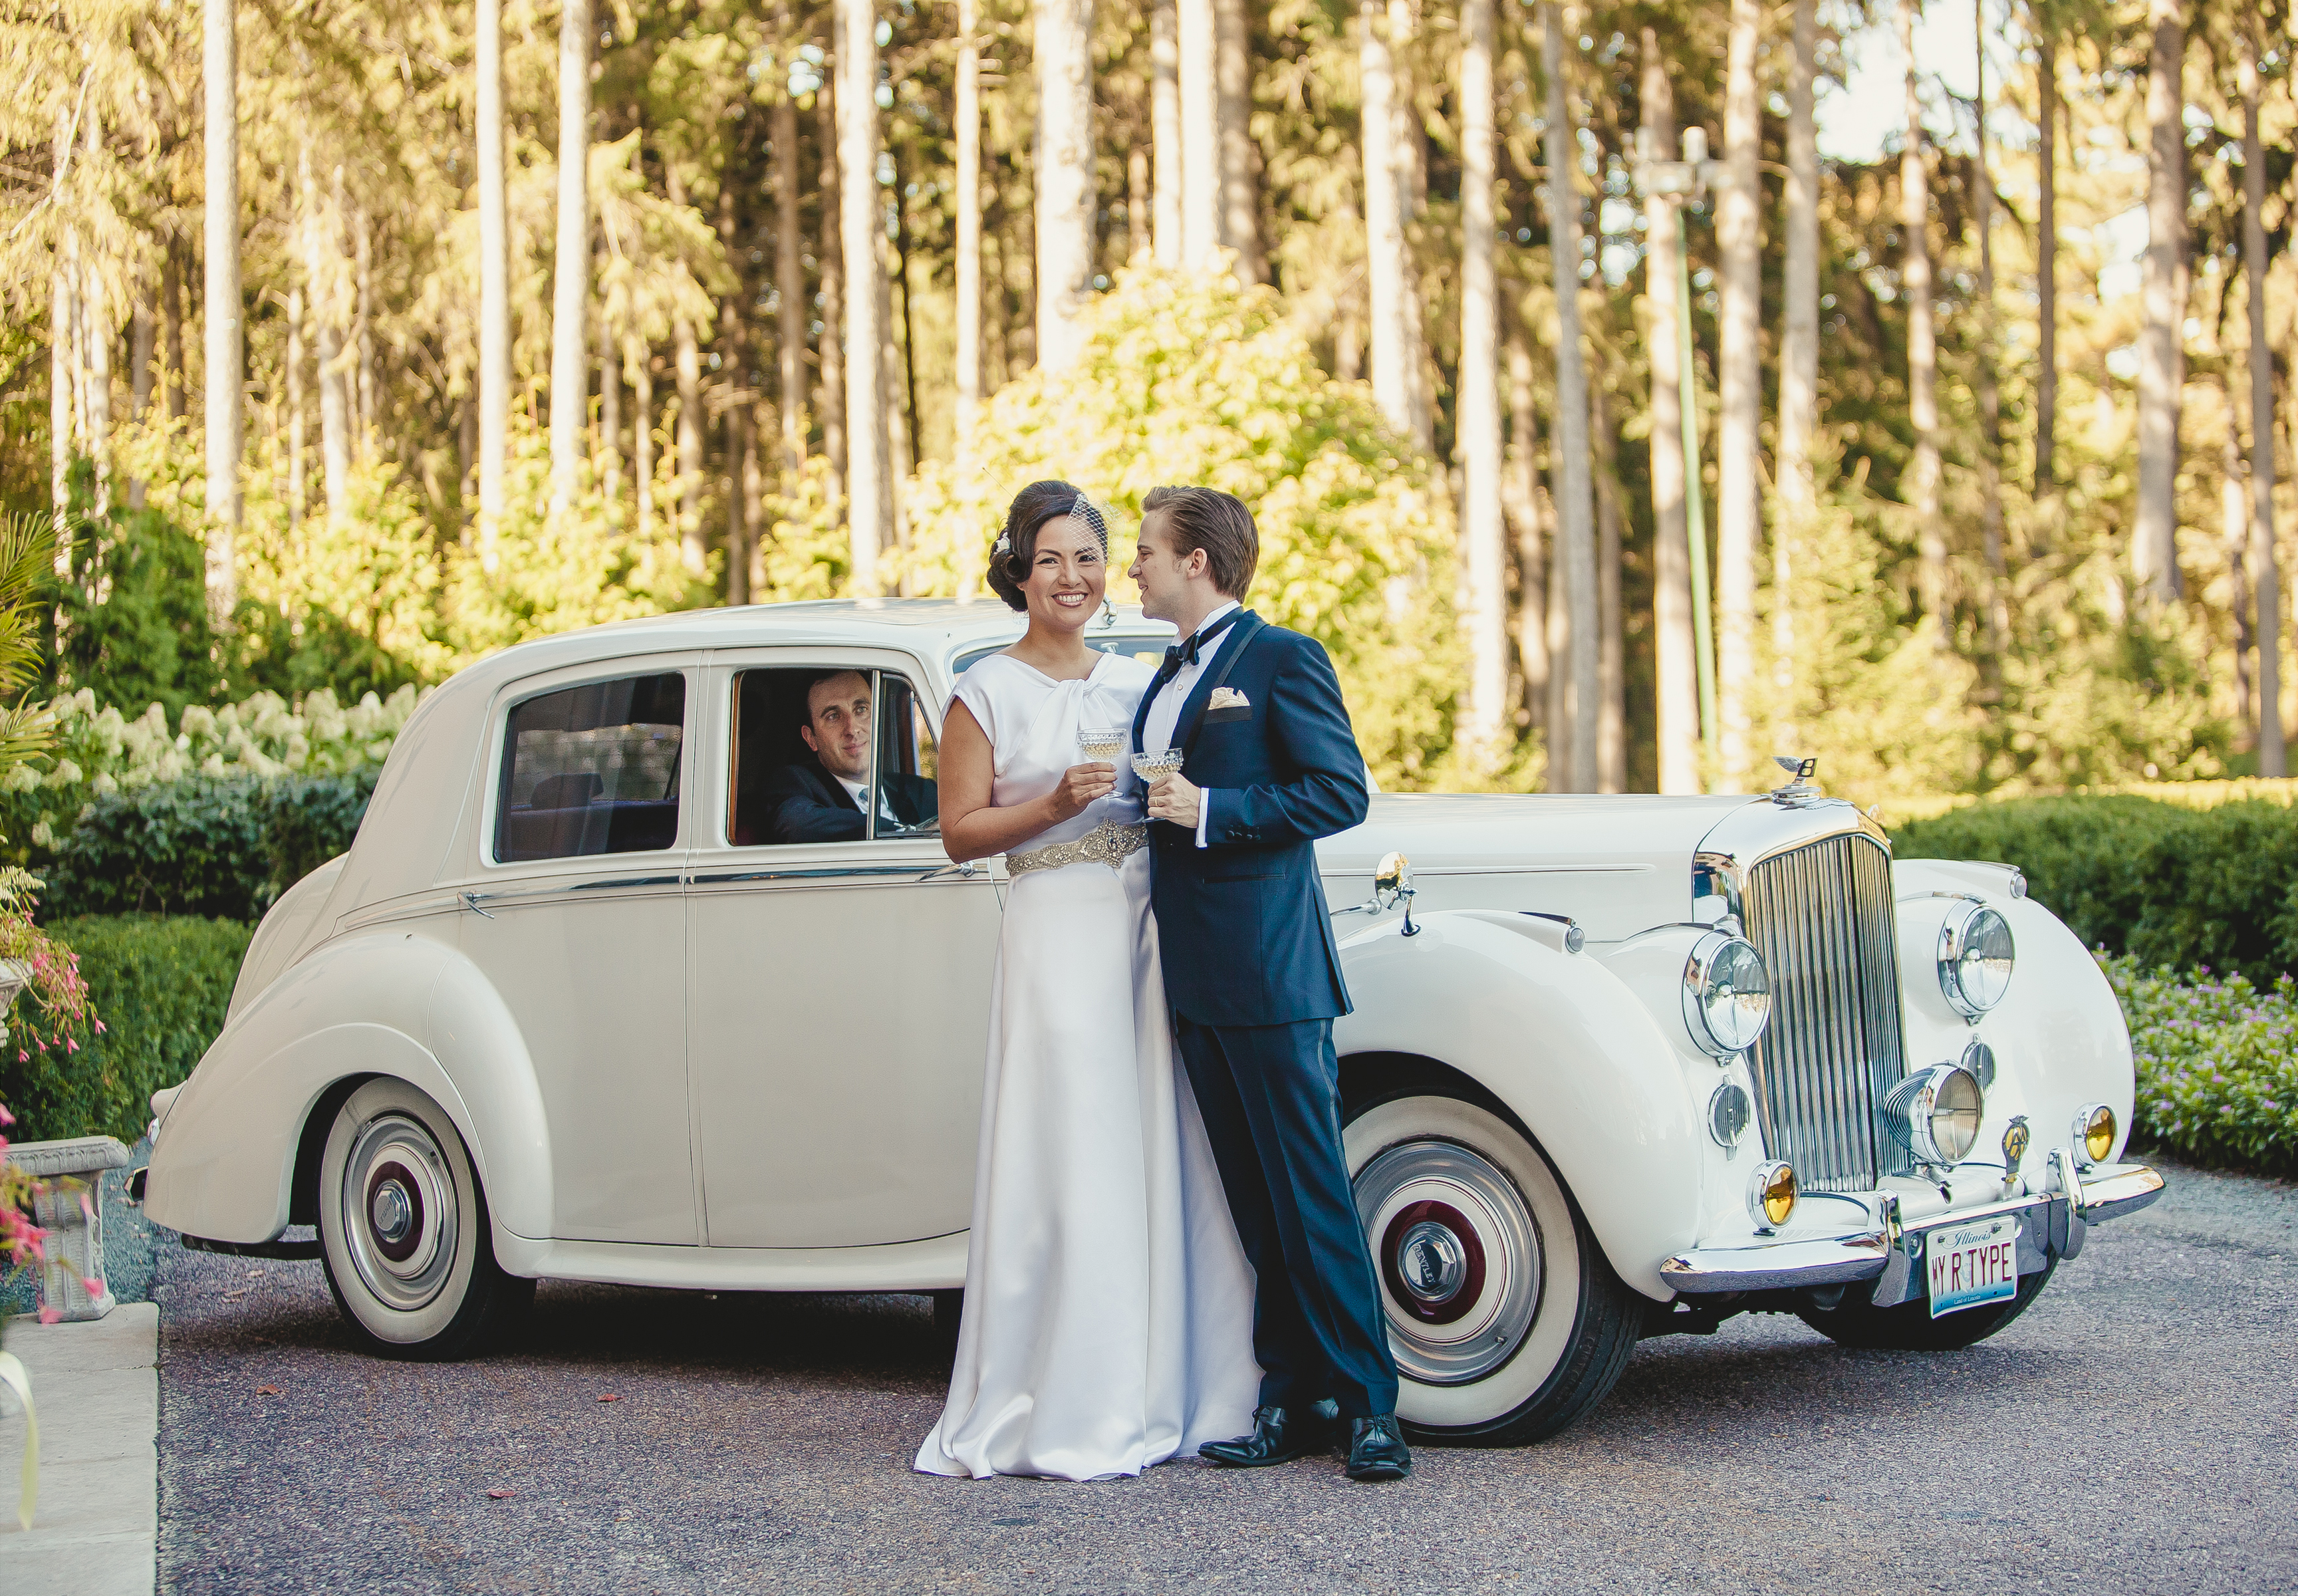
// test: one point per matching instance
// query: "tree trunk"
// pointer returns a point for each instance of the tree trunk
(2046, 261)
(1240, 203)
(1140, 243)
(1674, 668)
(1989, 386)
(1531, 587)
(2233, 530)
(171, 309)
(1799, 347)
(1165, 129)
(2154, 531)
(739, 447)
(863, 231)
(831, 354)
(1611, 660)
(1575, 531)
(642, 439)
(2265, 572)
(789, 283)
(969, 219)
(141, 335)
(905, 459)
(299, 489)
(570, 292)
(219, 72)
(1197, 32)
(1065, 161)
(1483, 555)
(686, 364)
(1393, 309)
(1740, 391)
(610, 415)
(366, 387)
(64, 355)
(1922, 490)
(494, 281)
(98, 328)
(323, 272)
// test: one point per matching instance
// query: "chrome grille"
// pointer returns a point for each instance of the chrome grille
(1822, 916)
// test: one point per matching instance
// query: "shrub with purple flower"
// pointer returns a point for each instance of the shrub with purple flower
(2217, 1060)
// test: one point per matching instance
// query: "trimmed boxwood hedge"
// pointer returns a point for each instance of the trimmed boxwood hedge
(160, 986)
(2215, 889)
(216, 848)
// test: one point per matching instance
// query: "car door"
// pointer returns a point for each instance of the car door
(839, 986)
(573, 909)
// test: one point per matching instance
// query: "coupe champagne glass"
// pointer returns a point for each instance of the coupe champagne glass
(1150, 766)
(1104, 743)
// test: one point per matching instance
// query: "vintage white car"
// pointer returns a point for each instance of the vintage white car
(576, 1006)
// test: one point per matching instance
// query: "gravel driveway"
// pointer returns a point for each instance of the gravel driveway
(2134, 1431)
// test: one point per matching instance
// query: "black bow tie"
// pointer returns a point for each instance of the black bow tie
(1186, 651)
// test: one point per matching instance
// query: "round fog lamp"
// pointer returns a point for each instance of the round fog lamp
(1975, 955)
(2094, 1131)
(1935, 1113)
(1728, 1113)
(1772, 1194)
(1727, 996)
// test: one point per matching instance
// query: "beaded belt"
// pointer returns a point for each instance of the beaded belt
(1107, 843)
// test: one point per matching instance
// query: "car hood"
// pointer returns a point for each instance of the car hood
(1618, 864)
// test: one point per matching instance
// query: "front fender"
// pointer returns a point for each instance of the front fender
(392, 1004)
(1566, 1045)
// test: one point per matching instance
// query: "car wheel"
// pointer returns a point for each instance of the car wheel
(403, 1230)
(1505, 1320)
(1909, 1326)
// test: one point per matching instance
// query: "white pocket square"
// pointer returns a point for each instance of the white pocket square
(1228, 698)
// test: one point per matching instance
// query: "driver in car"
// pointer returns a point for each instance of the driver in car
(822, 801)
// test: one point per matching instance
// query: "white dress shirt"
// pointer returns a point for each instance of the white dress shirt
(1165, 708)
(859, 793)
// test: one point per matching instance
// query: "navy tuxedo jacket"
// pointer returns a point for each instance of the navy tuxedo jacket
(1242, 927)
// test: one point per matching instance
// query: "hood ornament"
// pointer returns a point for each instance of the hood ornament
(1800, 784)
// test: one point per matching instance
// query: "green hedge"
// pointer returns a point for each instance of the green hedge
(2169, 886)
(2217, 1063)
(219, 849)
(160, 987)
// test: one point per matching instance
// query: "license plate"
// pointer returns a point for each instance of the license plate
(1972, 1264)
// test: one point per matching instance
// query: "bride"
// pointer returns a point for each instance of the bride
(1108, 1306)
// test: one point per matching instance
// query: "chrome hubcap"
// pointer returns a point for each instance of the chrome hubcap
(1459, 1257)
(400, 1219)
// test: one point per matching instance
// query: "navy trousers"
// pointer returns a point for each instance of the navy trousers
(1270, 1098)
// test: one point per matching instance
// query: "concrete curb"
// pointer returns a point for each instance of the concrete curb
(97, 1385)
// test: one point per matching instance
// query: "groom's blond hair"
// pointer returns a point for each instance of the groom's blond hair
(1219, 524)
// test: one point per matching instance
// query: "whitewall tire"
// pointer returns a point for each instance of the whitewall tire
(1506, 1321)
(403, 1229)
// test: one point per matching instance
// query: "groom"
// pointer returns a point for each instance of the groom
(1252, 973)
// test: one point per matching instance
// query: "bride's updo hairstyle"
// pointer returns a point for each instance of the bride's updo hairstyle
(1016, 544)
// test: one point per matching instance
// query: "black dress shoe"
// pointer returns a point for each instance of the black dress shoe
(1278, 1436)
(1377, 1449)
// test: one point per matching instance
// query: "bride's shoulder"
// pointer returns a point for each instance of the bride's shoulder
(1123, 670)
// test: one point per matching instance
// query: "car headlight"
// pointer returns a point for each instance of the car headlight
(1727, 997)
(1975, 955)
(1772, 1194)
(1979, 1058)
(1729, 1110)
(1935, 1113)
(2094, 1132)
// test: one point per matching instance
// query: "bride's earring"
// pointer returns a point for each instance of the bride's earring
(1108, 611)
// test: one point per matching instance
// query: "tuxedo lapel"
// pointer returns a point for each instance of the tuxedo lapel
(1241, 633)
(832, 790)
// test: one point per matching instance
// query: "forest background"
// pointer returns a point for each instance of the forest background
(344, 344)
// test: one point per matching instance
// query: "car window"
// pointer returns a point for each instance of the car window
(593, 770)
(829, 754)
(1149, 649)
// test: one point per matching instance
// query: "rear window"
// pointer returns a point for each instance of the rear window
(593, 770)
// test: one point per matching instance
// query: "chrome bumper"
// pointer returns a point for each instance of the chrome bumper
(1890, 1253)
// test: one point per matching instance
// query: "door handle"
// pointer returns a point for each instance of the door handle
(965, 872)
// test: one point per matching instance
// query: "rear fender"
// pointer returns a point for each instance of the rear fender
(1562, 1043)
(394, 1004)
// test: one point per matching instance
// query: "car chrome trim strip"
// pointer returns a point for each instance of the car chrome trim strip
(916, 872)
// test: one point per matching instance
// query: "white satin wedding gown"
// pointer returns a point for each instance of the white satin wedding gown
(1108, 1319)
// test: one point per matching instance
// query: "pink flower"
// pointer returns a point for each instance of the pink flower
(47, 1315)
(22, 1057)
(5, 1117)
(93, 1288)
(71, 1046)
(99, 1028)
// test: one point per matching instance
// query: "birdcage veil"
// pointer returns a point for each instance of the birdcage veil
(1082, 510)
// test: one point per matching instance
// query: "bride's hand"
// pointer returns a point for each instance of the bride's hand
(1083, 784)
